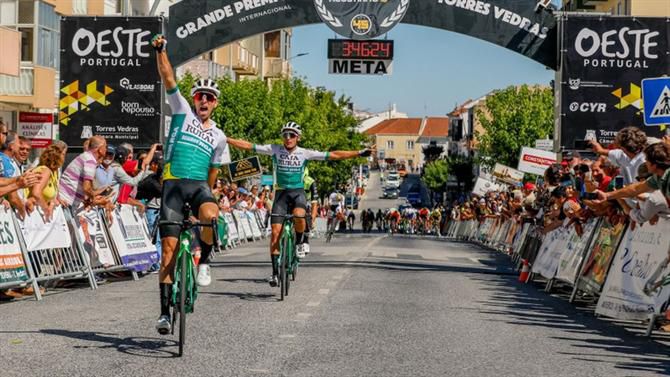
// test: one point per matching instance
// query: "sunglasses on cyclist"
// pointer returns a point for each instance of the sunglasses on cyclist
(289, 135)
(207, 97)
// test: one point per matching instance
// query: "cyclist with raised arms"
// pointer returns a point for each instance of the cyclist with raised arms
(194, 153)
(288, 162)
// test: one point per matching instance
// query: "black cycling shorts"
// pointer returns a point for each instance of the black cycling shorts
(285, 202)
(176, 193)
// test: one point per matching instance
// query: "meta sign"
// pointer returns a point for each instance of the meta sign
(354, 57)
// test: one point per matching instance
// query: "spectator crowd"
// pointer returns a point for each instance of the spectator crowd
(627, 181)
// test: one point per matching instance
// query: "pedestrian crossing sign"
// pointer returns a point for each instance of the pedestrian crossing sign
(656, 100)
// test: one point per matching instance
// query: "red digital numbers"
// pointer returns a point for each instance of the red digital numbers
(367, 49)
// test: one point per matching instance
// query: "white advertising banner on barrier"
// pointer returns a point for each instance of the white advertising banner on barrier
(40, 235)
(255, 229)
(12, 265)
(633, 289)
(94, 240)
(482, 186)
(132, 239)
(572, 256)
(233, 234)
(244, 227)
(535, 161)
(550, 252)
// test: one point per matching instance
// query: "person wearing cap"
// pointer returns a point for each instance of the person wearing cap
(104, 175)
(242, 204)
(289, 161)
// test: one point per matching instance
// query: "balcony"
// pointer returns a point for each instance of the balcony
(204, 68)
(244, 62)
(21, 85)
(36, 86)
(277, 68)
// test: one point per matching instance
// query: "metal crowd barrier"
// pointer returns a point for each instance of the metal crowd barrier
(585, 262)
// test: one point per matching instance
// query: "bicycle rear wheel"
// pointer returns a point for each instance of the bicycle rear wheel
(182, 302)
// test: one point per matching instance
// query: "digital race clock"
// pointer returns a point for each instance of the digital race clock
(352, 49)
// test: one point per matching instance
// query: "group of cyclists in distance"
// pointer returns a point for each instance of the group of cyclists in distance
(409, 220)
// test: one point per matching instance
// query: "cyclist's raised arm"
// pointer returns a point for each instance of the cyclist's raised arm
(240, 144)
(159, 43)
(343, 155)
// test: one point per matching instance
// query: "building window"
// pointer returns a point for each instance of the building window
(273, 44)
(7, 12)
(26, 44)
(410, 144)
(389, 144)
(26, 11)
(48, 40)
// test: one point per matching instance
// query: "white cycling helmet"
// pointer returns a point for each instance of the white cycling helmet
(292, 126)
(206, 85)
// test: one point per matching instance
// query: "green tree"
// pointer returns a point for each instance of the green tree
(250, 110)
(436, 174)
(512, 118)
(461, 167)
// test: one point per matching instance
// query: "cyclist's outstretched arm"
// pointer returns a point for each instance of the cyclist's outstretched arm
(343, 155)
(240, 144)
(164, 67)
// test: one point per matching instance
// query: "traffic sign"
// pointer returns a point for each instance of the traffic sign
(656, 100)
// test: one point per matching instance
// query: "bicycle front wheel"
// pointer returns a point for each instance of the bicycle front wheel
(182, 302)
(286, 263)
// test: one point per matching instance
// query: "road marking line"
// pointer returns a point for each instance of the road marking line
(314, 303)
(324, 291)
(476, 261)
(264, 371)
(304, 315)
(287, 336)
(331, 283)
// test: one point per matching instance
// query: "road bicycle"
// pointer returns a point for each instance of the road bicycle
(288, 261)
(184, 287)
(331, 225)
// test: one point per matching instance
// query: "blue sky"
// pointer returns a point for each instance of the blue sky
(432, 70)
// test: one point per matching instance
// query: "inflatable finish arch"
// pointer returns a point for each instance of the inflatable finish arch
(198, 26)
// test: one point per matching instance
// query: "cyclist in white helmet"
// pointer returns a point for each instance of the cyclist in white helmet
(289, 162)
(194, 153)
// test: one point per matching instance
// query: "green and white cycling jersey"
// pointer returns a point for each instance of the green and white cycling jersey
(191, 149)
(289, 167)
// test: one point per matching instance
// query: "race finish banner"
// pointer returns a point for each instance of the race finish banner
(109, 81)
(631, 291)
(90, 227)
(12, 265)
(198, 26)
(243, 169)
(604, 63)
(132, 239)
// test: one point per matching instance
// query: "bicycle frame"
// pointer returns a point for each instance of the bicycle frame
(185, 239)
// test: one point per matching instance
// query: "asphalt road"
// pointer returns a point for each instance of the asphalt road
(361, 306)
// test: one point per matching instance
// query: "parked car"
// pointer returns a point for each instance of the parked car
(393, 181)
(391, 193)
(351, 201)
